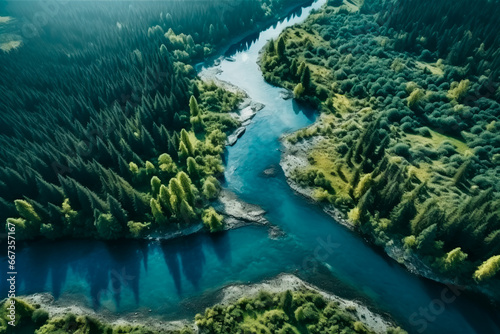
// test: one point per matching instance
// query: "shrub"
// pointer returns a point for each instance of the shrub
(402, 150)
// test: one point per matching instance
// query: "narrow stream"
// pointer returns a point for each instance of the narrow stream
(178, 278)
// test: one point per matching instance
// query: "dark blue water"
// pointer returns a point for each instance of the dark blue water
(175, 279)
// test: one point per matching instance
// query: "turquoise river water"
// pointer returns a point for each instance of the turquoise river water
(178, 278)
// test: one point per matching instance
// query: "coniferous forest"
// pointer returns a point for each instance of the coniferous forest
(408, 143)
(106, 131)
(119, 121)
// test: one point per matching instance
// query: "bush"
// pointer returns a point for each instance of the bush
(40, 316)
(402, 150)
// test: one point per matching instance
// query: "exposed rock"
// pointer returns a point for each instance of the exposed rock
(238, 213)
(232, 139)
(286, 94)
(271, 171)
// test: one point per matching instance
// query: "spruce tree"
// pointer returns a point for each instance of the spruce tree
(157, 212)
(186, 185)
(280, 49)
(155, 185)
(305, 79)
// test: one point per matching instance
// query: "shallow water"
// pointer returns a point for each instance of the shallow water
(176, 278)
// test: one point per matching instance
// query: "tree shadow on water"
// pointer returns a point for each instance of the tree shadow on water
(222, 246)
(193, 258)
(169, 249)
(125, 267)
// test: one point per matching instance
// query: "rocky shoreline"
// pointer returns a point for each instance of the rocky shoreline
(227, 295)
(284, 282)
(295, 156)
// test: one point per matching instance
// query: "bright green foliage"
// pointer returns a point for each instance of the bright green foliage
(186, 212)
(166, 164)
(193, 107)
(415, 97)
(111, 172)
(155, 185)
(458, 90)
(363, 185)
(307, 313)
(196, 115)
(187, 187)
(410, 242)
(23, 315)
(133, 168)
(176, 189)
(298, 91)
(187, 142)
(137, 229)
(301, 69)
(24, 229)
(487, 269)
(26, 211)
(411, 122)
(453, 260)
(209, 189)
(164, 198)
(193, 168)
(212, 220)
(107, 226)
(282, 313)
(157, 212)
(150, 168)
(183, 151)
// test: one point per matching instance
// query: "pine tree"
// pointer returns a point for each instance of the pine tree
(183, 151)
(116, 210)
(293, 68)
(305, 79)
(270, 47)
(27, 211)
(155, 185)
(193, 168)
(193, 107)
(404, 212)
(164, 199)
(460, 174)
(428, 213)
(186, 212)
(186, 185)
(187, 141)
(426, 239)
(150, 168)
(280, 49)
(157, 212)
(363, 185)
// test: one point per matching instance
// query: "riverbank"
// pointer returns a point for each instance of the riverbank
(295, 155)
(284, 282)
(142, 318)
(226, 296)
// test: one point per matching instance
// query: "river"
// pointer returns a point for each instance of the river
(178, 278)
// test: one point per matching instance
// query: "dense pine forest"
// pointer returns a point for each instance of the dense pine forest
(106, 130)
(408, 141)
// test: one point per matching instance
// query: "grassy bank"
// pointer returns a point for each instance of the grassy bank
(407, 144)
